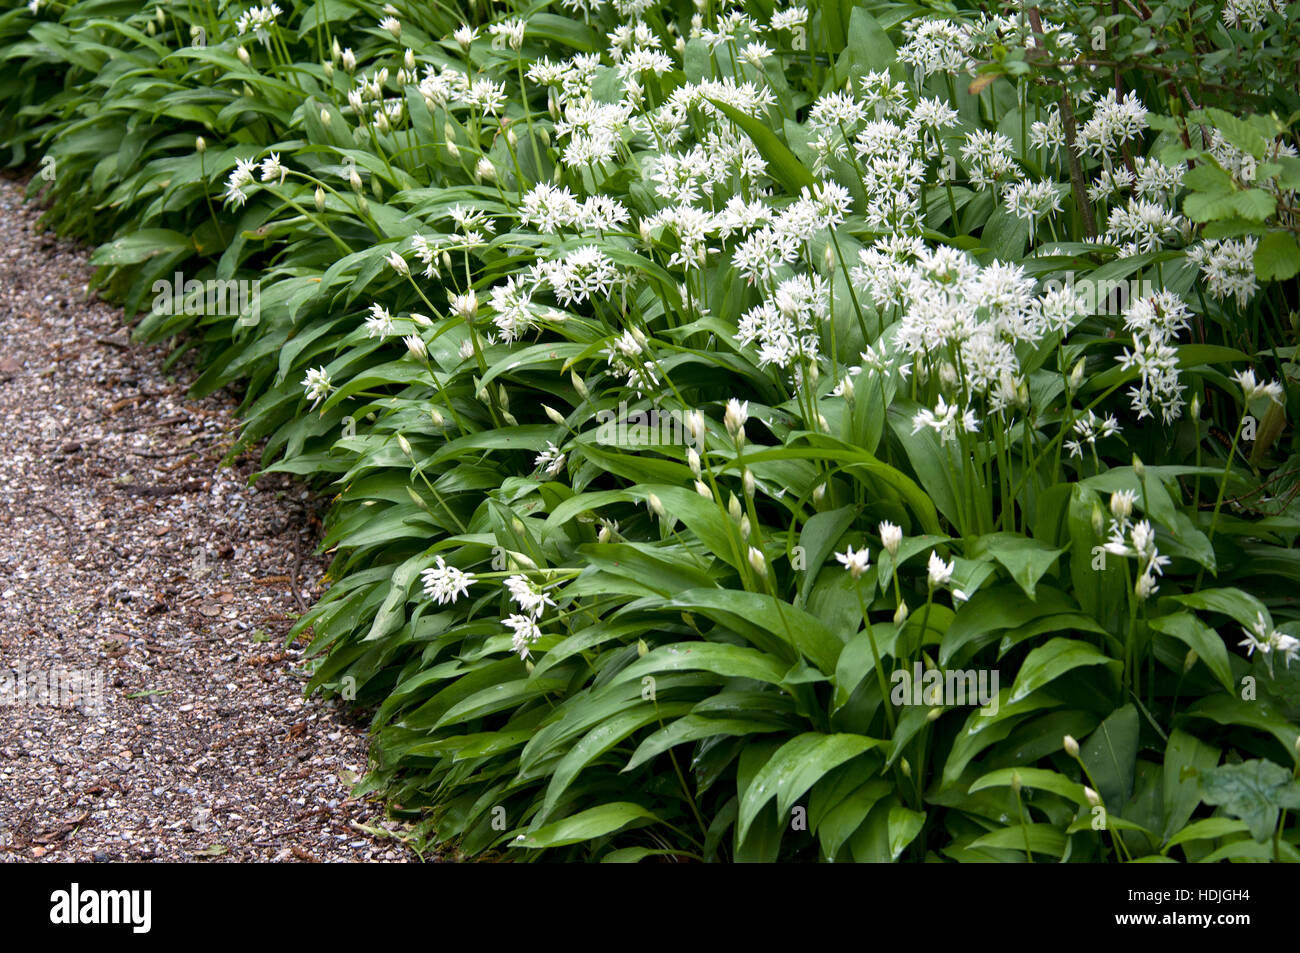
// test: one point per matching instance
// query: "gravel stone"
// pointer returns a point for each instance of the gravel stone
(132, 560)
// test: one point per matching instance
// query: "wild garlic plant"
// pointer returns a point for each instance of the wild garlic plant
(694, 385)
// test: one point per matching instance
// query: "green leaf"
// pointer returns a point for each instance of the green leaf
(1277, 257)
(141, 245)
(1253, 791)
(1186, 759)
(1110, 755)
(1042, 839)
(1212, 828)
(1034, 778)
(1051, 661)
(1196, 635)
(586, 825)
(781, 162)
(794, 768)
(1025, 559)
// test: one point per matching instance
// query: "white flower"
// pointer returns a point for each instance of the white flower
(416, 347)
(943, 420)
(508, 32)
(258, 19)
(1121, 504)
(1249, 15)
(243, 175)
(1251, 388)
(444, 583)
(551, 458)
(392, 25)
(855, 563)
(526, 632)
(318, 385)
(380, 322)
(527, 596)
(940, 572)
(736, 415)
(891, 536)
(465, 36)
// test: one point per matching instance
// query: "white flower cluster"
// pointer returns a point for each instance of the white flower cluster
(259, 20)
(1267, 640)
(1135, 540)
(445, 584)
(1249, 15)
(960, 320)
(531, 601)
(1156, 322)
(1228, 267)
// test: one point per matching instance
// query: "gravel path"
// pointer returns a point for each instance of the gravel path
(151, 587)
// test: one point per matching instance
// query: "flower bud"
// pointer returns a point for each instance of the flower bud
(1076, 376)
(819, 493)
(404, 444)
(200, 145)
(1093, 797)
(512, 140)
(555, 416)
(423, 320)
(747, 482)
(1070, 745)
(243, 55)
(1016, 783)
(398, 264)
(641, 648)
(733, 508)
(900, 614)
(703, 490)
(1139, 467)
(320, 199)
(656, 506)
(415, 347)
(438, 419)
(647, 233)
(325, 117)
(745, 528)
(486, 170)
(906, 766)
(408, 60)
(757, 562)
(466, 305)
(1190, 660)
(354, 179)
(579, 385)
(693, 461)
(328, 69)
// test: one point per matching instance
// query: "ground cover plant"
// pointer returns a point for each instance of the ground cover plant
(852, 432)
